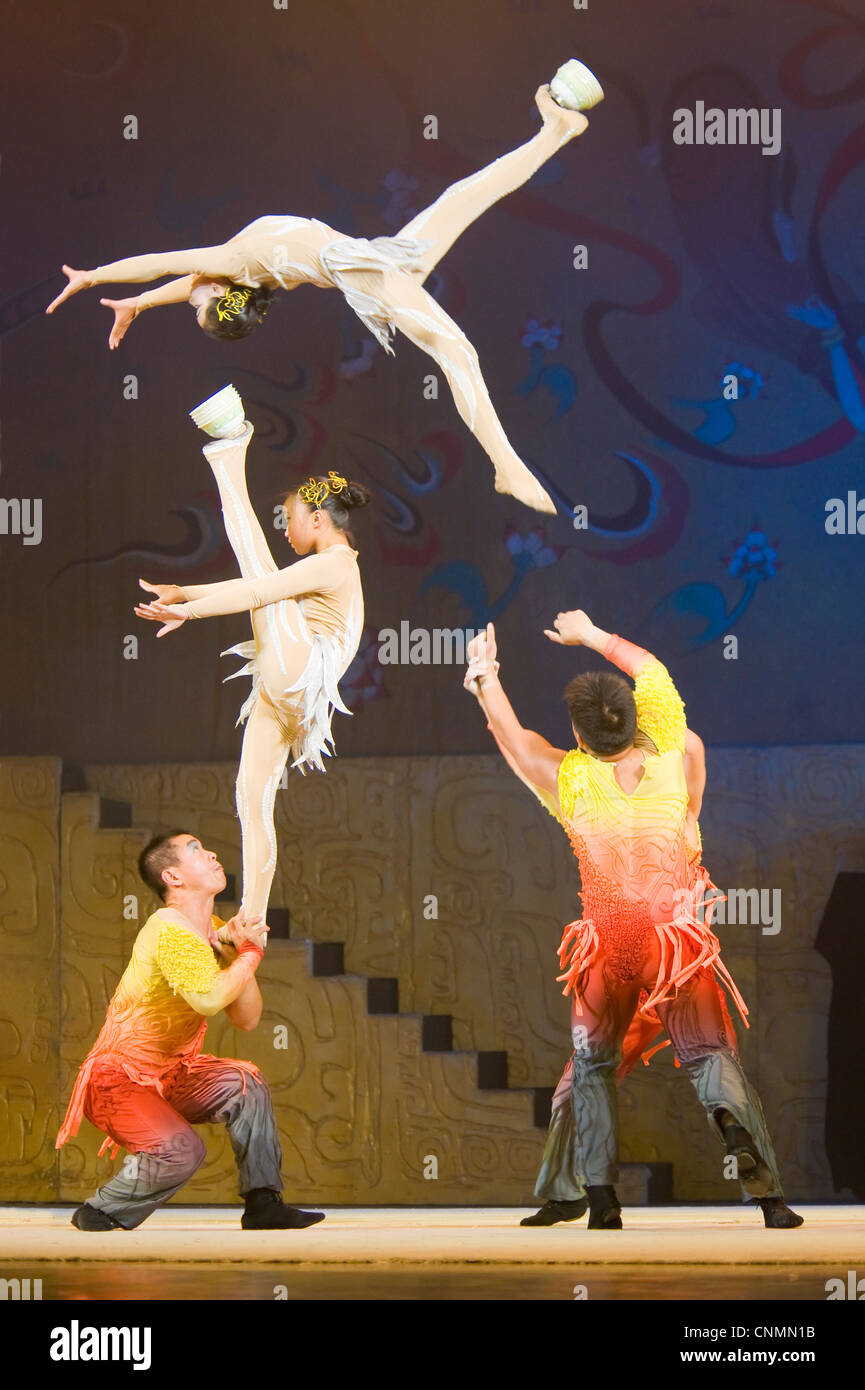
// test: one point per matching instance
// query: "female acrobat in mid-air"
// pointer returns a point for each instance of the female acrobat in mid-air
(306, 620)
(231, 286)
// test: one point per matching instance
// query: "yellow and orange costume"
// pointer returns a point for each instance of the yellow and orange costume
(146, 1080)
(643, 955)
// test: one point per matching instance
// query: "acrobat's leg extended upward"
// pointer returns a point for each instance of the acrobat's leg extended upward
(281, 652)
(416, 314)
(464, 202)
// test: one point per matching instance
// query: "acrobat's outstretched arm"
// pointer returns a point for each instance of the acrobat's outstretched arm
(314, 574)
(126, 311)
(217, 261)
(532, 758)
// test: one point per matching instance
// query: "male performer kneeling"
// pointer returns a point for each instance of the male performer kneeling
(146, 1081)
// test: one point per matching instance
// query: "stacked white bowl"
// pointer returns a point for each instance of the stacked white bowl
(576, 87)
(221, 416)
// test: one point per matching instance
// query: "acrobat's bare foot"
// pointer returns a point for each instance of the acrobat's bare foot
(555, 115)
(525, 487)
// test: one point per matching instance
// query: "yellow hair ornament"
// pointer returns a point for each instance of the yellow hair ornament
(230, 305)
(316, 490)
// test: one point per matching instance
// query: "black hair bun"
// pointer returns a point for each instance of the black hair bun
(354, 495)
(261, 300)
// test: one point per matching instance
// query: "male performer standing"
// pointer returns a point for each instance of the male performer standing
(643, 950)
(146, 1081)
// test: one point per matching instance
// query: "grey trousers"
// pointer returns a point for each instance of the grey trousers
(163, 1150)
(582, 1144)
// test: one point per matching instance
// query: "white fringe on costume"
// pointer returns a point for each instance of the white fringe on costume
(329, 659)
(381, 253)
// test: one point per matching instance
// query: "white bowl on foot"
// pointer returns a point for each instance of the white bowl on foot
(221, 416)
(576, 87)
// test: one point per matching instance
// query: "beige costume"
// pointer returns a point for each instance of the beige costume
(306, 621)
(382, 280)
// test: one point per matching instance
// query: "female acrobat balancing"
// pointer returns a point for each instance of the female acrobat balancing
(230, 287)
(643, 956)
(306, 620)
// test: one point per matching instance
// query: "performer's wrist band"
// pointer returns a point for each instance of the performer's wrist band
(248, 948)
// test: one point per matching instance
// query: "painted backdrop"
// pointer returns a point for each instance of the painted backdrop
(695, 381)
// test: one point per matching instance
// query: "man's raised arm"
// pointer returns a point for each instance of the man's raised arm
(660, 711)
(530, 755)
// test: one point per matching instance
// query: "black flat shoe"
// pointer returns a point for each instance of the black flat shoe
(610, 1219)
(605, 1214)
(551, 1212)
(266, 1211)
(752, 1171)
(88, 1218)
(778, 1216)
(281, 1218)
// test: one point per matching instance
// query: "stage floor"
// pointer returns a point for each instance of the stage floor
(436, 1253)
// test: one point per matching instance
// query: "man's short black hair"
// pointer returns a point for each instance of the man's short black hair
(159, 854)
(603, 712)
